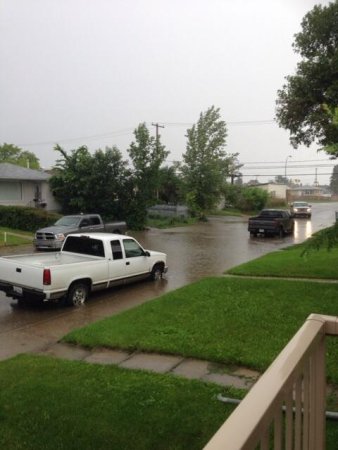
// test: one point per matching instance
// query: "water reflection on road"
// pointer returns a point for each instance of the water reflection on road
(211, 248)
(204, 249)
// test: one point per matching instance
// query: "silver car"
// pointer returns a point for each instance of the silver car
(300, 209)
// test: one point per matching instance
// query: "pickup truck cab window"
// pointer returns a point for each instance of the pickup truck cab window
(95, 220)
(116, 249)
(132, 249)
(84, 223)
(84, 245)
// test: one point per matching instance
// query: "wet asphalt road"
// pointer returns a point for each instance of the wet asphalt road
(194, 252)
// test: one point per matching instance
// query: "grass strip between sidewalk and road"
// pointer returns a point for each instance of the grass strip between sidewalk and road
(48, 404)
(290, 262)
(234, 321)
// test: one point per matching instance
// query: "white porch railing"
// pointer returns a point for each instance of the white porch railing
(296, 383)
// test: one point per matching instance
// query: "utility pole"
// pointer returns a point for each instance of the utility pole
(157, 125)
(316, 180)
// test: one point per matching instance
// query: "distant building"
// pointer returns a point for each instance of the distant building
(275, 190)
(20, 186)
(309, 192)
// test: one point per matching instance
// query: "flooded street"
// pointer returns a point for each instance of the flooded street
(204, 249)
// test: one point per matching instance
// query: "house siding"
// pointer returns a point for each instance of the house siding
(24, 187)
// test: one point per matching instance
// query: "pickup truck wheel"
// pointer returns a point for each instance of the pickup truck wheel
(156, 273)
(77, 294)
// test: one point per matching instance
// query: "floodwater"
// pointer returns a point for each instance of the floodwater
(194, 252)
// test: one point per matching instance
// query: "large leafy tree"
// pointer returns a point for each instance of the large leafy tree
(12, 154)
(147, 155)
(83, 182)
(205, 162)
(304, 103)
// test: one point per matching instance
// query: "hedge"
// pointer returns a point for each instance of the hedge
(26, 219)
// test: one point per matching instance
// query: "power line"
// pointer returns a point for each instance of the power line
(283, 162)
(130, 130)
(239, 122)
(293, 166)
(278, 174)
(94, 136)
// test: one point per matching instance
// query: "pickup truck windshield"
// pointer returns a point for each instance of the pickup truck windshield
(84, 246)
(68, 221)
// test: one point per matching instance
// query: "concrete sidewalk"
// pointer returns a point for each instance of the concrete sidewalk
(177, 365)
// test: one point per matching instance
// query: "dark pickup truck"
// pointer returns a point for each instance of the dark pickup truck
(51, 238)
(271, 222)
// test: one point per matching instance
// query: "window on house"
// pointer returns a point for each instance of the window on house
(10, 190)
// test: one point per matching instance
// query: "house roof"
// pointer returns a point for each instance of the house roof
(12, 172)
(307, 188)
(271, 184)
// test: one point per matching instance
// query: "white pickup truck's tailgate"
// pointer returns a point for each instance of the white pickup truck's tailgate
(20, 274)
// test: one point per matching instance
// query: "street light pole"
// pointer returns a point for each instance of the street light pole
(286, 162)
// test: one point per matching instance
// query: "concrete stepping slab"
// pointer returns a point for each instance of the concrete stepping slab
(151, 361)
(247, 373)
(192, 368)
(242, 378)
(107, 356)
(66, 351)
(228, 380)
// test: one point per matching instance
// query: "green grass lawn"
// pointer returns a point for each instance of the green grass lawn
(290, 263)
(11, 237)
(235, 321)
(49, 404)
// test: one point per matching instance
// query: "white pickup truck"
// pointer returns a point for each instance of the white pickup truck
(86, 262)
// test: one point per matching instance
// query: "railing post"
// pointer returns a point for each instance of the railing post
(317, 397)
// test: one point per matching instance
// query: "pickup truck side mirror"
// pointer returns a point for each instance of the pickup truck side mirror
(146, 253)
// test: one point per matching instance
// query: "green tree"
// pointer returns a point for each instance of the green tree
(332, 149)
(83, 182)
(12, 154)
(334, 181)
(170, 186)
(206, 164)
(147, 155)
(304, 101)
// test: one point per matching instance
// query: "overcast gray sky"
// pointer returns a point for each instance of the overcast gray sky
(84, 72)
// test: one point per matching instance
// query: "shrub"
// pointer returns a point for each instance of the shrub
(274, 202)
(245, 198)
(26, 219)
